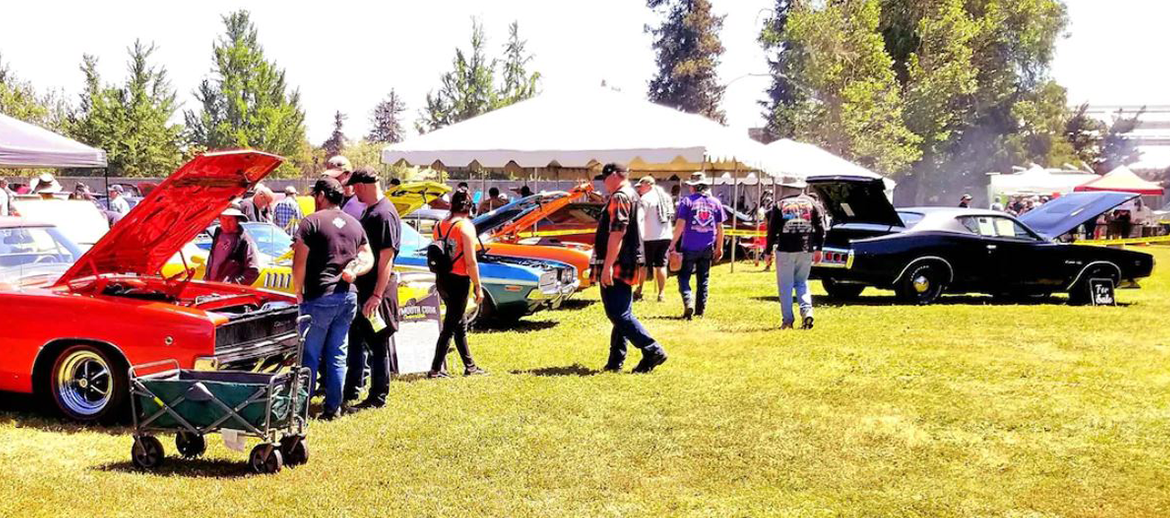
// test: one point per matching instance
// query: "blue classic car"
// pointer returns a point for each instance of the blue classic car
(513, 287)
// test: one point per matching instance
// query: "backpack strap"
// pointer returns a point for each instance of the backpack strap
(449, 230)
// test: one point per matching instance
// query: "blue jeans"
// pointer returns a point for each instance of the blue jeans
(328, 339)
(792, 269)
(619, 307)
(699, 264)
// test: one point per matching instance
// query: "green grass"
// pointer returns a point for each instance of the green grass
(965, 408)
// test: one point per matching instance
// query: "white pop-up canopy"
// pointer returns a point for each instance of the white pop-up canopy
(802, 160)
(26, 145)
(582, 128)
(1037, 180)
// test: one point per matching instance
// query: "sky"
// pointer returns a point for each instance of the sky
(347, 59)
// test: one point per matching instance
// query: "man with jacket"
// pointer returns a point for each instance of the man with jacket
(233, 256)
(698, 235)
(796, 231)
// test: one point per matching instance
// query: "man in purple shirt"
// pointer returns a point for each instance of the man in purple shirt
(698, 236)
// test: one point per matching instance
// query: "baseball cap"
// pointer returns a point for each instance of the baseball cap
(233, 210)
(648, 180)
(362, 176)
(117, 188)
(328, 186)
(337, 166)
(290, 190)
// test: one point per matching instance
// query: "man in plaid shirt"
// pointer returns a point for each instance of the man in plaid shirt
(287, 212)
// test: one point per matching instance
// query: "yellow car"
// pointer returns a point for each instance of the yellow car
(406, 198)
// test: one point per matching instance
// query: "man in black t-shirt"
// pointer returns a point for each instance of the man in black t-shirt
(377, 317)
(329, 252)
(616, 254)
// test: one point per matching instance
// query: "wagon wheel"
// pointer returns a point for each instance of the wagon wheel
(266, 458)
(147, 452)
(190, 445)
(294, 449)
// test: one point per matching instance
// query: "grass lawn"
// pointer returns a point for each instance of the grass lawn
(965, 408)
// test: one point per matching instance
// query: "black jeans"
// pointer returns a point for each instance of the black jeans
(362, 338)
(454, 290)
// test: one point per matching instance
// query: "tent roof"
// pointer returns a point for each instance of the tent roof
(1038, 180)
(1124, 180)
(803, 160)
(25, 145)
(583, 128)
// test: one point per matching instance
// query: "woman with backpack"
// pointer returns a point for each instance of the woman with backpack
(452, 258)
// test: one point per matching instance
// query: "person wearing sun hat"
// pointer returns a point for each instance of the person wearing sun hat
(796, 232)
(698, 236)
(233, 258)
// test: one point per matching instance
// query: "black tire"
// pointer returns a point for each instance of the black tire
(190, 445)
(295, 450)
(147, 452)
(840, 290)
(88, 384)
(266, 458)
(1079, 294)
(923, 284)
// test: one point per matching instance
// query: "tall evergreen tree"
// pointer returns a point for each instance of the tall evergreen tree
(1085, 134)
(1116, 149)
(518, 84)
(465, 91)
(130, 122)
(336, 143)
(783, 94)
(688, 52)
(386, 120)
(246, 102)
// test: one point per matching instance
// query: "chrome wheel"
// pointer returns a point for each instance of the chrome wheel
(921, 284)
(84, 383)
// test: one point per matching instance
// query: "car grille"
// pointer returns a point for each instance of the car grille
(257, 336)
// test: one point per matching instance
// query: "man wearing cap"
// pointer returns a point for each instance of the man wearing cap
(616, 255)
(329, 252)
(965, 201)
(698, 236)
(377, 294)
(796, 231)
(287, 211)
(118, 204)
(657, 231)
(340, 169)
(233, 256)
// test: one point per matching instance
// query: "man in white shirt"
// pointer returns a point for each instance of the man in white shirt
(117, 202)
(657, 231)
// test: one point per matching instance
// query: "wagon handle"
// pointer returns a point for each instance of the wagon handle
(144, 366)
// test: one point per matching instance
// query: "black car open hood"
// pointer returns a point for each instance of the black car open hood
(855, 199)
(1064, 214)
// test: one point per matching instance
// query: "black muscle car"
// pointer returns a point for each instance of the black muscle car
(923, 252)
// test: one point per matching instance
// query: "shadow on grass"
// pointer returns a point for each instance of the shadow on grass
(946, 300)
(575, 369)
(572, 304)
(515, 325)
(191, 468)
(27, 411)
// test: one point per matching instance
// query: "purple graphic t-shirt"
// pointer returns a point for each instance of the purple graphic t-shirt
(700, 215)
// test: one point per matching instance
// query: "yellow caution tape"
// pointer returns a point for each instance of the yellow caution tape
(744, 233)
(1128, 241)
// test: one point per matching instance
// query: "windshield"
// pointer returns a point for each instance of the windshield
(34, 246)
(909, 219)
(269, 238)
(412, 240)
(492, 221)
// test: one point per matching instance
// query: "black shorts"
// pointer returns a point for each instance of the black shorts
(656, 252)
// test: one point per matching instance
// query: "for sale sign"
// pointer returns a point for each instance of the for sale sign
(1101, 292)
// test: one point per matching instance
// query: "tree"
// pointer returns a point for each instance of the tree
(386, 120)
(1084, 134)
(336, 143)
(853, 105)
(130, 122)
(19, 100)
(245, 102)
(465, 91)
(1116, 149)
(783, 94)
(518, 83)
(688, 51)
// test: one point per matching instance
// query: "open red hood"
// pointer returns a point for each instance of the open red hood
(173, 213)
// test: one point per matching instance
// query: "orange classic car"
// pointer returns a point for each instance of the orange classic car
(73, 323)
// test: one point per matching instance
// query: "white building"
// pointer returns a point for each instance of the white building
(1152, 135)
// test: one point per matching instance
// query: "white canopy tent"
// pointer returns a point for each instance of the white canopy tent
(802, 160)
(1036, 180)
(581, 129)
(23, 145)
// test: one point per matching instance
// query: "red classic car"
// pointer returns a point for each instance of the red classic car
(72, 324)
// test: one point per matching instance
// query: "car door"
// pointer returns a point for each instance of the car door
(1024, 260)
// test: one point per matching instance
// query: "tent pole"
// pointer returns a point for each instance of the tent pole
(734, 219)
